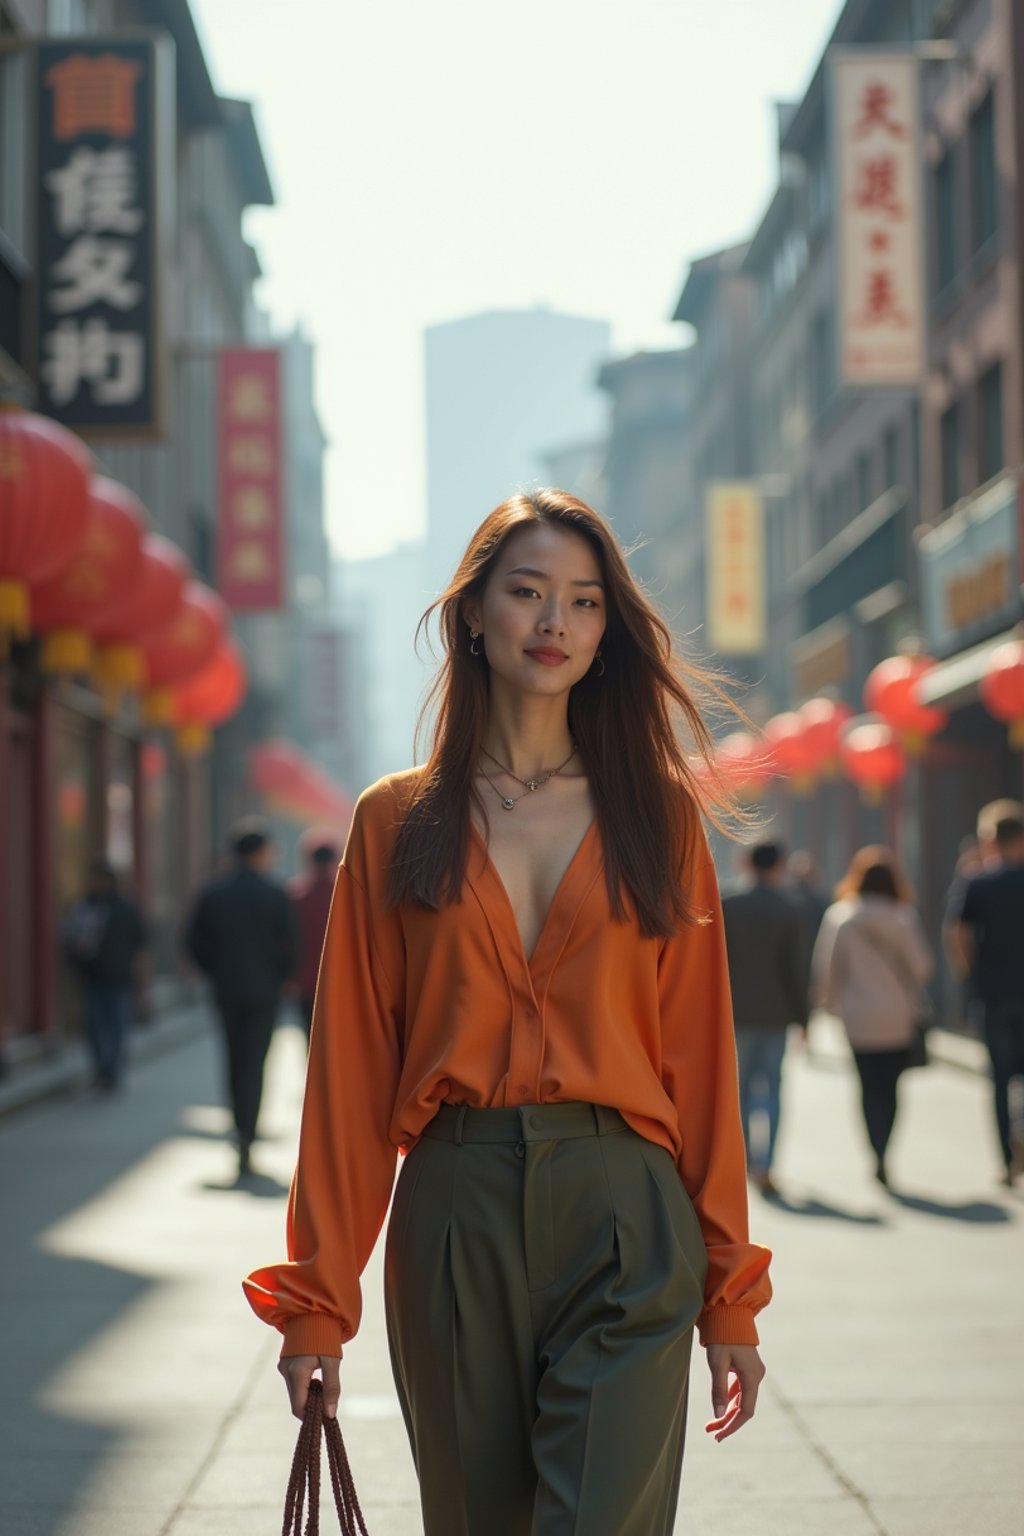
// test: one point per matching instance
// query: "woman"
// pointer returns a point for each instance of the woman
(524, 987)
(871, 961)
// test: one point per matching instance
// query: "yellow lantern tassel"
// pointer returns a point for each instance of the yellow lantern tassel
(66, 652)
(14, 620)
(872, 794)
(119, 669)
(193, 739)
(1017, 735)
(158, 706)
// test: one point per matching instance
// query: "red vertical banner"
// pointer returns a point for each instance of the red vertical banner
(250, 522)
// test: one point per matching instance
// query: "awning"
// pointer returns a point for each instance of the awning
(296, 787)
(955, 682)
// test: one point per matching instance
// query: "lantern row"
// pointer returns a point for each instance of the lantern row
(109, 598)
(824, 736)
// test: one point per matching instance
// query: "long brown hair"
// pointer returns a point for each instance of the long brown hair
(622, 723)
(874, 871)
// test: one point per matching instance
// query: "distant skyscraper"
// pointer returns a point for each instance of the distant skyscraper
(503, 388)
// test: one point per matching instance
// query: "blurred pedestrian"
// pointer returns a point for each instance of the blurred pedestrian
(762, 932)
(870, 965)
(524, 988)
(976, 853)
(803, 887)
(103, 937)
(988, 946)
(242, 933)
(311, 894)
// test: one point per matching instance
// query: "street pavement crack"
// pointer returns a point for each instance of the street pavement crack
(234, 1412)
(831, 1466)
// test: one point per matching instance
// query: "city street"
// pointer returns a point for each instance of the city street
(139, 1396)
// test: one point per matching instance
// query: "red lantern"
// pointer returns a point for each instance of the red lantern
(1002, 688)
(182, 648)
(744, 763)
(68, 606)
(791, 751)
(893, 691)
(872, 757)
(44, 496)
(209, 698)
(150, 605)
(823, 721)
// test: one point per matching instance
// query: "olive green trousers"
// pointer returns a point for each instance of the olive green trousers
(544, 1270)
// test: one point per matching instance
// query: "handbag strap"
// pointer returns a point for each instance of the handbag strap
(304, 1479)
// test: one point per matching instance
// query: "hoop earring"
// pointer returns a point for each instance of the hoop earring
(597, 657)
(474, 636)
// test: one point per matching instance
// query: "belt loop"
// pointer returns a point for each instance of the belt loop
(460, 1117)
(599, 1127)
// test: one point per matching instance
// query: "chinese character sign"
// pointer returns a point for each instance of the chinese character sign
(250, 512)
(735, 569)
(97, 314)
(878, 222)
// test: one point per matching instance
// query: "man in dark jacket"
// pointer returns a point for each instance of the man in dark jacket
(762, 934)
(987, 945)
(242, 934)
(311, 894)
(103, 934)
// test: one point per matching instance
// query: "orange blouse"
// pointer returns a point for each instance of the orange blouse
(414, 1007)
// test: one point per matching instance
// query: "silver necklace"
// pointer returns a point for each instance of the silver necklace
(509, 802)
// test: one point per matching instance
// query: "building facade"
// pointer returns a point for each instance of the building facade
(79, 781)
(646, 467)
(891, 515)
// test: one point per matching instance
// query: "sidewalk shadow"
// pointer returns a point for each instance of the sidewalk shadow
(980, 1212)
(261, 1185)
(812, 1206)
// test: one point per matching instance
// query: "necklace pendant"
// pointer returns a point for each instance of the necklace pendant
(531, 784)
(509, 805)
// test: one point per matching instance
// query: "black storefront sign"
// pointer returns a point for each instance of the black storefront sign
(97, 311)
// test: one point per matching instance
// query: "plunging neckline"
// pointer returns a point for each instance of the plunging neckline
(560, 888)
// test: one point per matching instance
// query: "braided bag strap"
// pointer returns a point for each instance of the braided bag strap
(303, 1493)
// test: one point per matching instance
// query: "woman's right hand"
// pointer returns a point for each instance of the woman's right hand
(298, 1371)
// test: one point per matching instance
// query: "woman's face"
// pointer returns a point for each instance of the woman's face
(543, 610)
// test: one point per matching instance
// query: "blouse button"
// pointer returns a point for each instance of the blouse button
(520, 1149)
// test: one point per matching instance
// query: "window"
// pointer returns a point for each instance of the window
(838, 514)
(984, 180)
(821, 519)
(13, 181)
(863, 481)
(990, 423)
(891, 457)
(949, 432)
(945, 221)
(821, 362)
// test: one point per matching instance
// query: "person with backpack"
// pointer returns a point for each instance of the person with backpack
(103, 936)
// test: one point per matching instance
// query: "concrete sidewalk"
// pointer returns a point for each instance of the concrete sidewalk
(138, 1396)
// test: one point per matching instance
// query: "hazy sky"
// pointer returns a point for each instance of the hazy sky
(432, 158)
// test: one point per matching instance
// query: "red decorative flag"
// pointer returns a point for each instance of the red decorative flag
(251, 511)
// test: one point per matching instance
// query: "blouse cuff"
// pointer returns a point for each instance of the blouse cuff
(312, 1333)
(727, 1325)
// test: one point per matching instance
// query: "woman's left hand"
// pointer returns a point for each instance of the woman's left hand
(733, 1402)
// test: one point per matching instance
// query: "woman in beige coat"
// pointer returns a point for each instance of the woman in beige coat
(870, 963)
